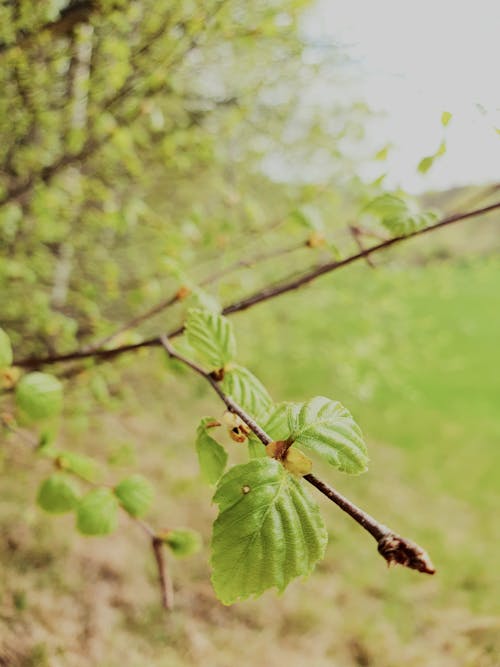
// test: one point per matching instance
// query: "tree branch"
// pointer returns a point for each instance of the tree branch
(392, 547)
(259, 296)
(78, 12)
(167, 590)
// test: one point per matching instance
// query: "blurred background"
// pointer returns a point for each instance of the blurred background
(220, 147)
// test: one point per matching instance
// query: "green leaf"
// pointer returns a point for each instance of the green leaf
(276, 425)
(80, 465)
(39, 395)
(255, 448)
(441, 150)
(212, 457)
(268, 531)
(446, 116)
(97, 513)
(135, 494)
(247, 390)
(183, 542)
(58, 494)
(426, 163)
(211, 335)
(5, 350)
(204, 300)
(328, 429)
(308, 216)
(382, 154)
(398, 215)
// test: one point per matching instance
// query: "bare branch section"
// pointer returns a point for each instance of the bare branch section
(167, 591)
(392, 547)
(259, 296)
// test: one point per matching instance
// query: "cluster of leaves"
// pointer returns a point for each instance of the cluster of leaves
(112, 114)
(399, 215)
(269, 530)
(38, 400)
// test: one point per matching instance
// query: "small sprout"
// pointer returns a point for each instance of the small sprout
(218, 374)
(292, 458)
(277, 450)
(297, 462)
(182, 292)
(9, 377)
(316, 240)
(237, 429)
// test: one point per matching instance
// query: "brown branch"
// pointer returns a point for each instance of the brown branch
(259, 296)
(357, 234)
(167, 590)
(75, 13)
(328, 267)
(92, 144)
(182, 292)
(392, 547)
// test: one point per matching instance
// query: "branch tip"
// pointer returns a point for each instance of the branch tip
(399, 550)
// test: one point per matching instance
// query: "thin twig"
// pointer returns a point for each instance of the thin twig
(394, 548)
(167, 590)
(356, 233)
(259, 296)
(179, 295)
(167, 593)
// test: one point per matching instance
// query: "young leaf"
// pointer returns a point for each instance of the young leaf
(446, 116)
(308, 216)
(204, 300)
(58, 494)
(135, 494)
(39, 395)
(183, 542)
(211, 335)
(268, 531)
(247, 390)
(80, 465)
(5, 350)
(399, 216)
(426, 163)
(328, 429)
(212, 457)
(297, 462)
(97, 513)
(382, 154)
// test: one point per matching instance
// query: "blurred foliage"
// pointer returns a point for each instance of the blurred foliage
(151, 130)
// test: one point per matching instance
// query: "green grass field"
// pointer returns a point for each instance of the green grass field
(414, 354)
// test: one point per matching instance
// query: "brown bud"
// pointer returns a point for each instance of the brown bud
(399, 550)
(182, 292)
(217, 375)
(315, 240)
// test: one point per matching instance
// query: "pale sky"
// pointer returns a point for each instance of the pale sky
(416, 60)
